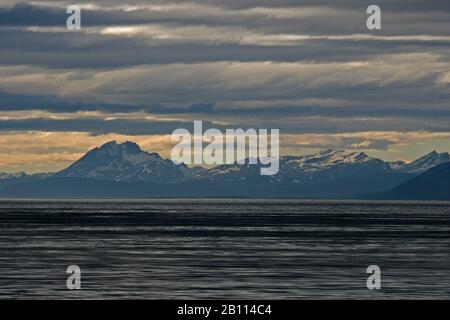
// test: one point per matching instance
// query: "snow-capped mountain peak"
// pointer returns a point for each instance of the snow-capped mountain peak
(125, 162)
(426, 162)
(328, 158)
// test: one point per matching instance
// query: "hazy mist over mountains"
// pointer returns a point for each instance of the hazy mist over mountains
(125, 170)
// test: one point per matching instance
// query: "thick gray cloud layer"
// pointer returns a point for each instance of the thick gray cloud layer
(301, 66)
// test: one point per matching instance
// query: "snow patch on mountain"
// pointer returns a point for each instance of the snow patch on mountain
(327, 159)
(424, 163)
(397, 165)
(4, 176)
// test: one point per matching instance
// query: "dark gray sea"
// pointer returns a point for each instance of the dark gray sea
(236, 249)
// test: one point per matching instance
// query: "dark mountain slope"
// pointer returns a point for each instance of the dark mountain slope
(433, 184)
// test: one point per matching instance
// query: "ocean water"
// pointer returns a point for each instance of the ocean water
(230, 249)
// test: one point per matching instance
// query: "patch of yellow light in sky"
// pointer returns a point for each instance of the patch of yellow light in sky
(53, 151)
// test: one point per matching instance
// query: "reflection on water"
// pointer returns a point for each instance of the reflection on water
(233, 249)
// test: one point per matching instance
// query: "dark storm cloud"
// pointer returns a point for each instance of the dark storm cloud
(398, 5)
(111, 53)
(62, 49)
(92, 125)
(291, 125)
(9, 102)
(312, 17)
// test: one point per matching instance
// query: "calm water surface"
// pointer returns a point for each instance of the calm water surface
(237, 249)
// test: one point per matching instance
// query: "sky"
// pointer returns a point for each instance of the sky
(137, 70)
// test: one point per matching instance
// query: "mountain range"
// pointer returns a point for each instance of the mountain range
(125, 170)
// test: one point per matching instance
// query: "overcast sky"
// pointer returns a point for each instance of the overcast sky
(137, 70)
